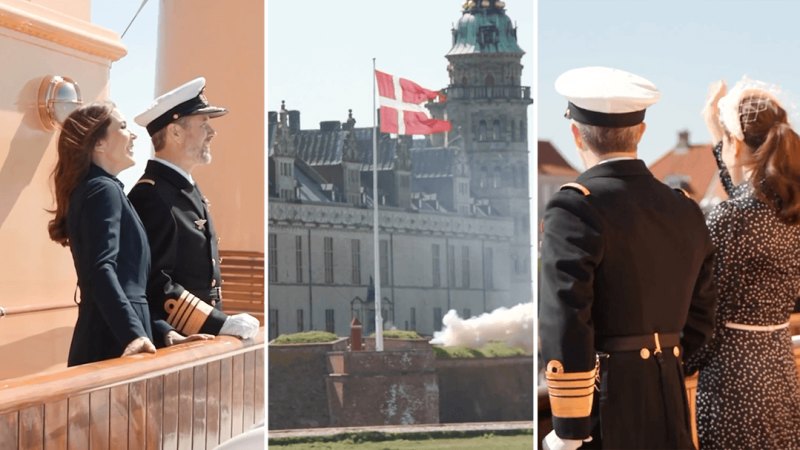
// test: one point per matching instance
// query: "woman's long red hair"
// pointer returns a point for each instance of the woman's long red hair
(79, 135)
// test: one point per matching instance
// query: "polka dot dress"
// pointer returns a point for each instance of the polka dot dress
(748, 395)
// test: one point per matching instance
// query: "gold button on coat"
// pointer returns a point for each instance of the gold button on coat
(644, 353)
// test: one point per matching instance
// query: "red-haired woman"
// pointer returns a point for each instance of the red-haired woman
(108, 243)
(748, 392)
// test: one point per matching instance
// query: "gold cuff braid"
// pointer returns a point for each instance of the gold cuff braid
(187, 313)
(571, 394)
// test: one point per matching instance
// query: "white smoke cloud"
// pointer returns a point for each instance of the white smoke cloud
(513, 326)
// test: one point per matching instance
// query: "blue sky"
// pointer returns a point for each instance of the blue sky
(319, 53)
(681, 46)
(133, 76)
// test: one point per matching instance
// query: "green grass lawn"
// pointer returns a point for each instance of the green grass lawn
(485, 442)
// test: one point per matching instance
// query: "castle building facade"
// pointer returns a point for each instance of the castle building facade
(454, 208)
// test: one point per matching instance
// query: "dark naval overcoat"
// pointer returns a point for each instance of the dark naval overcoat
(626, 287)
(112, 260)
(184, 286)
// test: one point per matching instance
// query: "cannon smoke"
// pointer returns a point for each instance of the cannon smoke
(513, 326)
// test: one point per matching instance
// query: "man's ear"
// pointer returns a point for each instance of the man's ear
(175, 131)
(576, 135)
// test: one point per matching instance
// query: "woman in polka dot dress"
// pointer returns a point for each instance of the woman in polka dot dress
(748, 395)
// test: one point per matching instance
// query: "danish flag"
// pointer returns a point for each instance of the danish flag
(401, 109)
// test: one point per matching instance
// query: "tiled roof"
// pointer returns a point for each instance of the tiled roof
(432, 162)
(695, 165)
(386, 149)
(319, 148)
(550, 161)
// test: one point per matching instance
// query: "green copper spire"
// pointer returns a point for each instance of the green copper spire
(484, 27)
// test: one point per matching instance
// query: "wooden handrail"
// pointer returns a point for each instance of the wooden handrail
(238, 253)
(27, 309)
(19, 393)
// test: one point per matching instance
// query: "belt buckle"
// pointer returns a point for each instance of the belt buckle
(644, 353)
(657, 351)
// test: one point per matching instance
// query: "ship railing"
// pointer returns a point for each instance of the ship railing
(193, 395)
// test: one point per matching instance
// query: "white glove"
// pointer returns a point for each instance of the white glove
(553, 442)
(242, 325)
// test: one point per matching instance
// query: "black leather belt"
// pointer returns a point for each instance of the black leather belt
(630, 343)
(207, 294)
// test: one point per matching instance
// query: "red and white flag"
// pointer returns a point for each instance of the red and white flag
(401, 109)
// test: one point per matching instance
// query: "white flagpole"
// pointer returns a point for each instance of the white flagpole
(375, 201)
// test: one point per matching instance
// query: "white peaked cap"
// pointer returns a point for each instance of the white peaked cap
(185, 100)
(606, 97)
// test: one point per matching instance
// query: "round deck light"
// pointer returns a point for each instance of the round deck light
(58, 97)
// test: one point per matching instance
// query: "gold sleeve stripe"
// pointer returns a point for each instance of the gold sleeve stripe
(571, 394)
(570, 384)
(576, 186)
(575, 376)
(183, 308)
(187, 313)
(571, 408)
(568, 393)
(146, 181)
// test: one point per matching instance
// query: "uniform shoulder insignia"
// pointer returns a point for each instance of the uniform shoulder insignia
(146, 181)
(576, 186)
(683, 191)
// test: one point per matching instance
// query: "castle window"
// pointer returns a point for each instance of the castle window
(273, 323)
(496, 130)
(489, 80)
(513, 133)
(328, 260)
(298, 257)
(482, 130)
(489, 268)
(465, 266)
(487, 35)
(300, 322)
(451, 266)
(435, 265)
(330, 324)
(355, 251)
(273, 258)
(384, 259)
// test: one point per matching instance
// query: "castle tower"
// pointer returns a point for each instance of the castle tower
(487, 106)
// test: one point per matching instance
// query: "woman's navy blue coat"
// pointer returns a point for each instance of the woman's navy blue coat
(112, 259)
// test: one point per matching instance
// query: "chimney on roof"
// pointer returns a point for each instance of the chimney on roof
(294, 120)
(683, 142)
(330, 125)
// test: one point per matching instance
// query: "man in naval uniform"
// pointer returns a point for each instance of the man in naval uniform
(626, 281)
(183, 289)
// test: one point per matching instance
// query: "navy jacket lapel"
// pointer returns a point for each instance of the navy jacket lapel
(179, 181)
